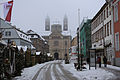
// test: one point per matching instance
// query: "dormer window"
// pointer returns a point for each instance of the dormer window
(21, 35)
(32, 36)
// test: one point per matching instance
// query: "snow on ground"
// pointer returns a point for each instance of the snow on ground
(29, 73)
(52, 73)
(113, 67)
(98, 74)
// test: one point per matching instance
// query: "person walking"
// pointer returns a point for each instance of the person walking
(99, 61)
(105, 61)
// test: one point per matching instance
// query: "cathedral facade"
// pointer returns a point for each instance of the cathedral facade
(59, 40)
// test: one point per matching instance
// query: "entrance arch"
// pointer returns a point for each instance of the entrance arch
(56, 56)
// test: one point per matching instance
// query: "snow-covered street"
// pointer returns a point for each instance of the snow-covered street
(54, 71)
(57, 70)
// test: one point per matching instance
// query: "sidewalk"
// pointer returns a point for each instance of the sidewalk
(92, 74)
(113, 69)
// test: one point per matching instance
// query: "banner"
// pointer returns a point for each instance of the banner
(8, 10)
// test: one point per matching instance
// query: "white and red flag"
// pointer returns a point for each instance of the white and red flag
(8, 10)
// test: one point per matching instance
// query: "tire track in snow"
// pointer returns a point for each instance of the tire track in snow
(48, 73)
(67, 74)
(52, 72)
(42, 72)
(59, 72)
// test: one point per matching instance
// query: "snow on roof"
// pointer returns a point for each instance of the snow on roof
(38, 53)
(45, 33)
(23, 47)
(23, 36)
(31, 32)
(42, 38)
(66, 33)
(32, 47)
(3, 42)
(48, 54)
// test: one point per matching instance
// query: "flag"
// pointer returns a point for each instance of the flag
(8, 10)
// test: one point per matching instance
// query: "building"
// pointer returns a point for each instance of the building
(38, 41)
(11, 33)
(47, 24)
(74, 41)
(40, 44)
(102, 34)
(59, 42)
(85, 37)
(65, 23)
(116, 24)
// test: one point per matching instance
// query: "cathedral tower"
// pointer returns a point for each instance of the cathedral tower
(47, 24)
(65, 23)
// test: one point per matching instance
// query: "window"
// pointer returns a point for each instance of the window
(104, 15)
(110, 27)
(21, 35)
(8, 33)
(102, 33)
(32, 36)
(117, 41)
(107, 29)
(56, 43)
(116, 12)
(65, 43)
(107, 12)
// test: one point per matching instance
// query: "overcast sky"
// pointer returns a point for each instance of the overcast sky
(31, 14)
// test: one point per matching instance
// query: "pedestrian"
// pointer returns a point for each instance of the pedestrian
(105, 61)
(99, 61)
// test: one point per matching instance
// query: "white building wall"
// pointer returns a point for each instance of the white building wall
(100, 43)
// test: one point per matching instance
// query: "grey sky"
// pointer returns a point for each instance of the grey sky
(31, 14)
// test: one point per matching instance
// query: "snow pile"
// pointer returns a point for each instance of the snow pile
(113, 67)
(98, 74)
(28, 73)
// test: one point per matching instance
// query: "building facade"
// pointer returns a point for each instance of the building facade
(116, 24)
(74, 41)
(38, 42)
(102, 34)
(11, 33)
(59, 43)
(85, 37)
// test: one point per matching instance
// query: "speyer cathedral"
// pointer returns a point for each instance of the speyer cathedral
(59, 38)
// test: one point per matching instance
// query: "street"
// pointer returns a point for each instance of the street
(54, 71)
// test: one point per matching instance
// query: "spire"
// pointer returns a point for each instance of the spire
(47, 23)
(65, 23)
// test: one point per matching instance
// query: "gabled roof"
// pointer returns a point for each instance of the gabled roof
(31, 32)
(3, 42)
(23, 35)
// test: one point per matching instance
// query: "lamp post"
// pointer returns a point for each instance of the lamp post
(78, 48)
